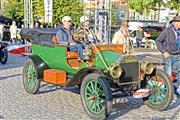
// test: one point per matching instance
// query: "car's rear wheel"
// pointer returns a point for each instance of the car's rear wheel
(96, 96)
(30, 81)
(161, 91)
(4, 56)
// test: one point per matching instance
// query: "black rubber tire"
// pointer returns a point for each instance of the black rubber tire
(107, 91)
(4, 56)
(170, 92)
(37, 81)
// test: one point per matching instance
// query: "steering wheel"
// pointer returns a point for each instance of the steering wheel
(80, 35)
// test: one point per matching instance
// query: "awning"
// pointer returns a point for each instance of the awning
(6, 20)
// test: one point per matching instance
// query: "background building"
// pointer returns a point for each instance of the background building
(123, 8)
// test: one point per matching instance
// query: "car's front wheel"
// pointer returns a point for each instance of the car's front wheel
(161, 91)
(96, 96)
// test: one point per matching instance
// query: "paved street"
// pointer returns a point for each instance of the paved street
(54, 102)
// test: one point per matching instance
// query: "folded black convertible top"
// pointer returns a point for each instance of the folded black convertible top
(38, 36)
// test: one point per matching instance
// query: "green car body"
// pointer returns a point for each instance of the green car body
(107, 70)
(55, 58)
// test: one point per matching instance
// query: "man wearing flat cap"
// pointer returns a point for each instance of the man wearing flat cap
(64, 37)
(168, 43)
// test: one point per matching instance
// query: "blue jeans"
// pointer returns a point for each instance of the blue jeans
(138, 42)
(1, 38)
(79, 49)
(13, 40)
(173, 65)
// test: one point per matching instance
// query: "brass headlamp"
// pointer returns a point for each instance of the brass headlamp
(115, 70)
(147, 67)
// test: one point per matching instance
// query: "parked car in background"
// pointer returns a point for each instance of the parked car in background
(6, 35)
(150, 35)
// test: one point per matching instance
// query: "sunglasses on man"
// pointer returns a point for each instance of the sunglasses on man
(68, 21)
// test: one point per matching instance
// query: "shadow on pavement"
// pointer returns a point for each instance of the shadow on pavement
(4, 78)
(46, 88)
(13, 61)
(175, 114)
(174, 104)
(75, 89)
(1, 117)
(123, 105)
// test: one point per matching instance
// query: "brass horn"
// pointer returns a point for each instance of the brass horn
(115, 70)
(147, 67)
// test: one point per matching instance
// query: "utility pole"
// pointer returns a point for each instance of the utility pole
(102, 17)
(28, 14)
(28, 21)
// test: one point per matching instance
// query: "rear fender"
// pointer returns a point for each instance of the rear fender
(39, 64)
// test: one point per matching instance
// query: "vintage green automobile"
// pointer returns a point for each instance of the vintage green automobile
(106, 72)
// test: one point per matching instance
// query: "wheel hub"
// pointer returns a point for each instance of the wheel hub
(93, 97)
(155, 90)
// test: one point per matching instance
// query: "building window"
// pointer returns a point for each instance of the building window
(122, 14)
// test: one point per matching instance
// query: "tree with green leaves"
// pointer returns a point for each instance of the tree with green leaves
(137, 5)
(38, 9)
(15, 9)
(175, 4)
(71, 8)
(145, 6)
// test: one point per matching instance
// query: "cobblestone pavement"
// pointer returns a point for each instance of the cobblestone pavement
(54, 102)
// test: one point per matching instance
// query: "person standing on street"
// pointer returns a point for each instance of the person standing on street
(168, 42)
(122, 36)
(13, 32)
(139, 36)
(1, 31)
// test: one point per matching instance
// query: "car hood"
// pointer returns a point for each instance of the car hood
(107, 57)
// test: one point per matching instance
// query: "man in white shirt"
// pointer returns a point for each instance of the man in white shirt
(13, 32)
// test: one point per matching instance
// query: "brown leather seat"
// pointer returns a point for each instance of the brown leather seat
(71, 54)
(54, 40)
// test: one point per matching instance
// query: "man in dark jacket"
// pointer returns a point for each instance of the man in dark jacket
(168, 43)
(64, 37)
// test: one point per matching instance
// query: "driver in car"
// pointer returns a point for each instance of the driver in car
(64, 37)
(85, 23)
